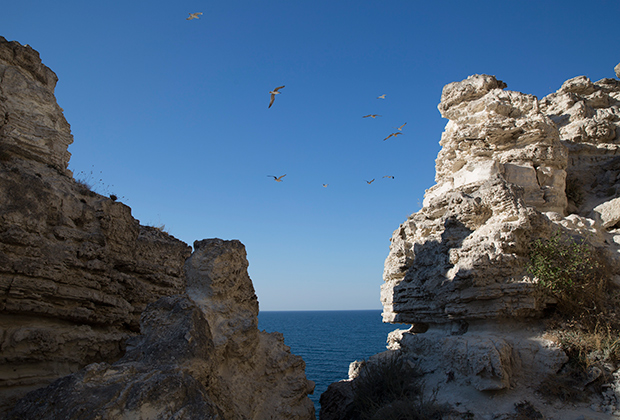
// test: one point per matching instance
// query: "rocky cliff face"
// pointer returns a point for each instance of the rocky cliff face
(199, 356)
(77, 272)
(512, 169)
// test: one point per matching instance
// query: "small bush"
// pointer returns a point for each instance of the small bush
(392, 389)
(585, 324)
(571, 272)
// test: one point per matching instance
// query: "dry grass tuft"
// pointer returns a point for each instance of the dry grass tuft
(392, 389)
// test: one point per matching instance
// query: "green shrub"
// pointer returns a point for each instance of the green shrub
(585, 324)
(570, 271)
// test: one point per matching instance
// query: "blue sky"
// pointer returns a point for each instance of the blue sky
(172, 115)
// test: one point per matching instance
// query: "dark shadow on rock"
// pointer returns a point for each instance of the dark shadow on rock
(427, 277)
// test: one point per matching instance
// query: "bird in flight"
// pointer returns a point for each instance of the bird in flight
(381, 97)
(277, 178)
(393, 134)
(401, 127)
(194, 16)
(389, 176)
(325, 185)
(370, 182)
(371, 115)
(273, 95)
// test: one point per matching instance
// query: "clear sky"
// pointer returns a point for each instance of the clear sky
(172, 114)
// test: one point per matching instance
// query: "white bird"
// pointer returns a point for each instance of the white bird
(370, 182)
(393, 134)
(371, 115)
(401, 127)
(273, 95)
(381, 97)
(276, 178)
(194, 16)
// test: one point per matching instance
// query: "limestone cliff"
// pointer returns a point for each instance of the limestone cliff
(512, 169)
(77, 272)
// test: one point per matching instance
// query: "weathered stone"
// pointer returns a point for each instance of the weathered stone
(76, 273)
(490, 129)
(164, 374)
(608, 213)
(31, 122)
(257, 376)
(512, 169)
(463, 257)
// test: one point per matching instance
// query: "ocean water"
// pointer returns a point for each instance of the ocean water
(329, 341)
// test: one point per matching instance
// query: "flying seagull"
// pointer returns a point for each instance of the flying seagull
(381, 97)
(393, 134)
(371, 115)
(389, 176)
(370, 182)
(276, 178)
(401, 127)
(194, 16)
(273, 95)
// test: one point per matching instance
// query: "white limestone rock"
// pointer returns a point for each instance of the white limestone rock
(587, 115)
(608, 212)
(511, 169)
(491, 132)
(463, 257)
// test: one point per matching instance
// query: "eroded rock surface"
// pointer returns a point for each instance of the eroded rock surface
(164, 374)
(32, 124)
(512, 169)
(197, 357)
(76, 269)
(257, 376)
(77, 272)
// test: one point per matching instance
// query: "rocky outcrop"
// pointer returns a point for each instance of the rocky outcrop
(512, 169)
(462, 256)
(77, 272)
(257, 377)
(31, 122)
(161, 376)
(198, 357)
(76, 269)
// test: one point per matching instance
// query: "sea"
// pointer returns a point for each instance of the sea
(329, 341)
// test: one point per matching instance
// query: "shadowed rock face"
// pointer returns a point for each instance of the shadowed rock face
(76, 269)
(158, 378)
(196, 358)
(77, 272)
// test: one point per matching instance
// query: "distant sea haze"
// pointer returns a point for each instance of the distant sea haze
(329, 341)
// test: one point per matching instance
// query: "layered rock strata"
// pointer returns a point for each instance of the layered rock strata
(76, 269)
(200, 356)
(512, 169)
(77, 272)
